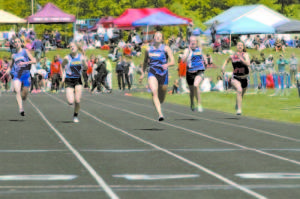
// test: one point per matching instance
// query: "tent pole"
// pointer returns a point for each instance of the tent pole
(147, 34)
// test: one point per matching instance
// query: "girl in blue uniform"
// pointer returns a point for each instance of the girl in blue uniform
(195, 71)
(73, 64)
(156, 57)
(240, 62)
(20, 70)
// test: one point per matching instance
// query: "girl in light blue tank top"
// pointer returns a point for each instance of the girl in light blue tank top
(73, 65)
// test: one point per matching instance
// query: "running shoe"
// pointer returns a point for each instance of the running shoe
(22, 113)
(75, 120)
(239, 112)
(161, 118)
(200, 108)
(192, 108)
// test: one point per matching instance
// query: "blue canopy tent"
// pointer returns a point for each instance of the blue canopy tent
(159, 19)
(197, 32)
(243, 25)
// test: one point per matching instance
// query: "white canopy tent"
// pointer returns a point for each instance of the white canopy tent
(8, 18)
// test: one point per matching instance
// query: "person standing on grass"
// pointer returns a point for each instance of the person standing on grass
(72, 65)
(240, 62)
(156, 57)
(195, 71)
(281, 74)
(20, 69)
(120, 71)
(55, 74)
(293, 68)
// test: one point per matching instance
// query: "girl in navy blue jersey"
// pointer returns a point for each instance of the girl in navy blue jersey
(73, 65)
(156, 57)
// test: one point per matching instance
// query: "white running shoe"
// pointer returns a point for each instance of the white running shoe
(239, 112)
(75, 120)
(200, 109)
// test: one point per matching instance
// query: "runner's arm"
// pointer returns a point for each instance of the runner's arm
(225, 64)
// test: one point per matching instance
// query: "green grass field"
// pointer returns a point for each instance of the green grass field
(279, 108)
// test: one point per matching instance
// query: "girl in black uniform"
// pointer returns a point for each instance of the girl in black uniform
(240, 62)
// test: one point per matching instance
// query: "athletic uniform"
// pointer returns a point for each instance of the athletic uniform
(19, 72)
(73, 71)
(240, 70)
(158, 57)
(195, 66)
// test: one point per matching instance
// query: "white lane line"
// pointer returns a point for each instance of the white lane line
(200, 167)
(36, 177)
(155, 177)
(269, 175)
(32, 151)
(203, 134)
(153, 187)
(181, 150)
(216, 121)
(91, 170)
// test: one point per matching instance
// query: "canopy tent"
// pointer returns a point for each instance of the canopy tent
(197, 32)
(51, 14)
(259, 13)
(8, 18)
(243, 25)
(105, 21)
(160, 19)
(132, 15)
(292, 26)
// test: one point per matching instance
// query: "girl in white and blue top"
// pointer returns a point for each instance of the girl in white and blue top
(195, 71)
(73, 65)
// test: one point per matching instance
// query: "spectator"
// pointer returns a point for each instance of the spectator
(90, 70)
(38, 48)
(175, 87)
(281, 72)
(127, 50)
(217, 47)
(257, 42)
(110, 33)
(99, 74)
(182, 75)
(119, 71)
(213, 31)
(55, 74)
(183, 44)
(189, 31)
(137, 50)
(114, 52)
(209, 61)
(278, 45)
(293, 68)
(109, 74)
(58, 39)
(131, 71)
(297, 42)
(126, 67)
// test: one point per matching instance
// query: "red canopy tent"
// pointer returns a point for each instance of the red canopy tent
(131, 15)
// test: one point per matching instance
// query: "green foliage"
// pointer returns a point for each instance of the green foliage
(198, 10)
